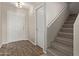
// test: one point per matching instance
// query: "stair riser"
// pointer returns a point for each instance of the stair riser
(67, 51)
(73, 15)
(71, 18)
(65, 36)
(67, 26)
(69, 22)
(67, 30)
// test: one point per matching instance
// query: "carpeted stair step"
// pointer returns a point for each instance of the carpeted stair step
(68, 25)
(62, 48)
(65, 41)
(65, 35)
(67, 30)
(69, 22)
(71, 18)
(54, 52)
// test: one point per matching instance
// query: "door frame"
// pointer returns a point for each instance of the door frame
(45, 31)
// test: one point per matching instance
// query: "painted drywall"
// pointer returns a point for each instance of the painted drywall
(5, 10)
(0, 26)
(4, 24)
(32, 24)
(74, 7)
(76, 37)
(57, 13)
(52, 10)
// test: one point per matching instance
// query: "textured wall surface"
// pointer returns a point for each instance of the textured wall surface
(57, 19)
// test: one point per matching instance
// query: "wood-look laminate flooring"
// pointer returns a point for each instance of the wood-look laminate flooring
(20, 48)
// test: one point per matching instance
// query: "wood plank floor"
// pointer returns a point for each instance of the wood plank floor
(20, 48)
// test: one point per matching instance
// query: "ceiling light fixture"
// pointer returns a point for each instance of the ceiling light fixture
(19, 4)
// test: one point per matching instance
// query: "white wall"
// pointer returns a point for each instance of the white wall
(4, 24)
(74, 7)
(6, 8)
(32, 24)
(56, 13)
(0, 26)
(76, 37)
(52, 10)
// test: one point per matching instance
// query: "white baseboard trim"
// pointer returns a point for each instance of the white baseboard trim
(32, 42)
(35, 44)
(12, 41)
(0, 45)
(6, 42)
(44, 51)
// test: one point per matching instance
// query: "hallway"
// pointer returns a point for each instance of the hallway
(34, 29)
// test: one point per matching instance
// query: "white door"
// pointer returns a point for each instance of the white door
(15, 26)
(40, 27)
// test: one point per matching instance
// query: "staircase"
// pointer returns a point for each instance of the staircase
(63, 44)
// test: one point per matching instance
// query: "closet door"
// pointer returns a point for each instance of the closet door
(40, 33)
(15, 26)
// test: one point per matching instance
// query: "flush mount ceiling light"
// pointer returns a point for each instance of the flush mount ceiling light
(19, 4)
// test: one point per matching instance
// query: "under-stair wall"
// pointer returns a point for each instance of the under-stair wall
(57, 22)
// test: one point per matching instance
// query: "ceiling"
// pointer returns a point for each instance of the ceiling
(33, 3)
(27, 4)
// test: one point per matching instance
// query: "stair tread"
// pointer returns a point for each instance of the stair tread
(69, 20)
(60, 44)
(66, 28)
(64, 39)
(68, 25)
(65, 33)
(72, 21)
(63, 47)
(55, 52)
